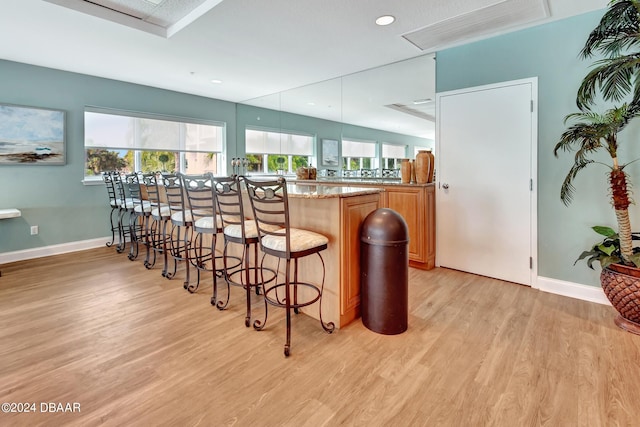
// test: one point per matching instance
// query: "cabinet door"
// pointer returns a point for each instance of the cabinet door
(354, 210)
(411, 204)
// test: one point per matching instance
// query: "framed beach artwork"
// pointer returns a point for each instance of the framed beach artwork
(31, 136)
(329, 152)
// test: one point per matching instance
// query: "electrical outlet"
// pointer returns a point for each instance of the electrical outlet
(34, 230)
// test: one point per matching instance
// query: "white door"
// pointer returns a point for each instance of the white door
(485, 178)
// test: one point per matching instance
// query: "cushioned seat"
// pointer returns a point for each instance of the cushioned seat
(300, 240)
(207, 222)
(250, 229)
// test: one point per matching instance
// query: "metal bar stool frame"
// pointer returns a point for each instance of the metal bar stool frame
(160, 214)
(270, 205)
(237, 229)
(125, 208)
(114, 204)
(179, 238)
(139, 215)
(206, 222)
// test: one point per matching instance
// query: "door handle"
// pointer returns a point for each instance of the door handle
(445, 186)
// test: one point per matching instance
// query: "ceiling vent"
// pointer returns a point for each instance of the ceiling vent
(423, 111)
(502, 15)
(160, 17)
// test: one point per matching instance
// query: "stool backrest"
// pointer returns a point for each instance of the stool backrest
(111, 188)
(150, 184)
(390, 173)
(131, 183)
(230, 205)
(368, 173)
(178, 203)
(121, 193)
(270, 206)
(199, 194)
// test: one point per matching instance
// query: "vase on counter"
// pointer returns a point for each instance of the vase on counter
(413, 171)
(405, 171)
(425, 162)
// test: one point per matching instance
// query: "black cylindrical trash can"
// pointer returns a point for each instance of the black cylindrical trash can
(384, 277)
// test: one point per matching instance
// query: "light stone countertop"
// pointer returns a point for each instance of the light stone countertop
(315, 190)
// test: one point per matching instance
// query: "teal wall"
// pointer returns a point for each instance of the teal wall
(54, 197)
(549, 52)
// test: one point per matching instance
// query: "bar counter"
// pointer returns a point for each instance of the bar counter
(415, 202)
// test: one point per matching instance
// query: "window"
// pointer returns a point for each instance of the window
(359, 155)
(392, 155)
(126, 142)
(277, 152)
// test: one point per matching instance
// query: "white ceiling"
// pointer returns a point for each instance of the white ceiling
(255, 47)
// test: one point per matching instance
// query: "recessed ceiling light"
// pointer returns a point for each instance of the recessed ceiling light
(385, 20)
(216, 81)
(421, 101)
(311, 103)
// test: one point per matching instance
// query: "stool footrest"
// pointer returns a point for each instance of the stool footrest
(271, 296)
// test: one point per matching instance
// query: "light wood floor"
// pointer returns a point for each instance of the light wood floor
(133, 348)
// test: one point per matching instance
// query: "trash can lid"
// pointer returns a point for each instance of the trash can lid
(384, 226)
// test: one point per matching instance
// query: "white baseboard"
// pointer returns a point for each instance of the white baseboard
(62, 248)
(573, 290)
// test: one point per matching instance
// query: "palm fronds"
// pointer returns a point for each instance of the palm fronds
(617, 31)
(592, 132)
(618, 73)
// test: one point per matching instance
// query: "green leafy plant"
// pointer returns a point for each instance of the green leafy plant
(607, 251)
(616, 78)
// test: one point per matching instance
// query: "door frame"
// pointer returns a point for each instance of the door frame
(533, 81)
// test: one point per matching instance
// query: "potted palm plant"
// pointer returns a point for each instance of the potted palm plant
(614, 80)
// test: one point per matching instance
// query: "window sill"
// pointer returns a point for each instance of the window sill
(92, 181)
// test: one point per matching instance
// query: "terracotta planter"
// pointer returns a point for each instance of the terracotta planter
(623, 291)
(405, 171)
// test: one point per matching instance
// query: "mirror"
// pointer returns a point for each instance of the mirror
(394, 104)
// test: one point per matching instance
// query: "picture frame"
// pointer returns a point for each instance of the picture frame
(32, 135)
(329, 153)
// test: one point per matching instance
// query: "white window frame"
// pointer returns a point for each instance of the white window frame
(281, 149)
(385, 159)
(180, 146)
(346, 158)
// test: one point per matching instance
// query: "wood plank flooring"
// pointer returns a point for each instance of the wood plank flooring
(135, 349)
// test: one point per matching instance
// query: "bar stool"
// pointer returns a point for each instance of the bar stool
(206, 222)
(270, 205)
(139, 216)
(368, 173)
(113, 203)
(125, 208)
(179, 238)
(239, 230)
(390, 173)
(160, 214)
